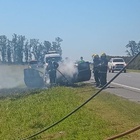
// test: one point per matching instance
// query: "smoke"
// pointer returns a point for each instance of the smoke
(11, 76)
(67, 69)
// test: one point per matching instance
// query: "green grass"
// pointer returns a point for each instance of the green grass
(130, 70)
(106, 115)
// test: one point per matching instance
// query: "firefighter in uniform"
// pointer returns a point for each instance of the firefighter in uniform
(51, 68)
(103, 66)
(96, 62)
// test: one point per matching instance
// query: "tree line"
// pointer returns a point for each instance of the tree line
(20, 50)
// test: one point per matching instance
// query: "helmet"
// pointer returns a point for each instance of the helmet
(103, 55)
(96, 56)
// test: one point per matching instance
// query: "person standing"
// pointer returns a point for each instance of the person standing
(96, 62)
(81, 60)
(51, 68)
(103, 66)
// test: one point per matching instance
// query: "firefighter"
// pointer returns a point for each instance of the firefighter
(51, 68)
(55, 64)
(103, 70)
(96, 62)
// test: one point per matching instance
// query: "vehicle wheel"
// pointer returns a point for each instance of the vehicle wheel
(124, 71)
(109, 70)
(112, 71)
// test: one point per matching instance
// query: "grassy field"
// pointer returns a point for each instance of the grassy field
(130, 70)
(28, 112)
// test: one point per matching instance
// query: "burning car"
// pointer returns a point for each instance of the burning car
(68, 73)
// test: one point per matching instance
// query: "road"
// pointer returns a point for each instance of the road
(126, 85)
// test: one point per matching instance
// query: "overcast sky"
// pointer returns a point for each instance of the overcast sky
(86, 26)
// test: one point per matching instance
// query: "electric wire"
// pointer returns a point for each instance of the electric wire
(72, 112)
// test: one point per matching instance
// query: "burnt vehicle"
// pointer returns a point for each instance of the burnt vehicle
(33, 64)
(77, 73)
(67, 73)
(34, 78)
(84, 72)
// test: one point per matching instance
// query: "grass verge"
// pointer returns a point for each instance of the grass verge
(104, 116)
(130, 70)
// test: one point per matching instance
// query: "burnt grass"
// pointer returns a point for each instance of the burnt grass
(18, 92)
(15, 93)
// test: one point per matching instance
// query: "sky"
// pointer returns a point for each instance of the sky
(86, 26)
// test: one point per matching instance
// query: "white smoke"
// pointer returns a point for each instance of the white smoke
(11, 76)
(67, 69)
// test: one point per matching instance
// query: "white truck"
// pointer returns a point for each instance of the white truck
(52, 56)
(116, 64)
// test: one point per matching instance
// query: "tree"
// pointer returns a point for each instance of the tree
(138, 46)
(3, 45)
(37, 48)
(14, 47)
(9, 52)
(26, 51)
(47, 46)
(17, 46)
(56, 45)
(133, 48)
(20, 50)
(58, 40)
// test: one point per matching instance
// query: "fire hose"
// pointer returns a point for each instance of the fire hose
(125, 133)
(63, 76)
(68, 81)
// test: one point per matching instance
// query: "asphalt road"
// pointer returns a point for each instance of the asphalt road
(126, 85)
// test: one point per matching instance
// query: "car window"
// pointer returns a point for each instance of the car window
(33, 62)
(118, 60)
(57, 59)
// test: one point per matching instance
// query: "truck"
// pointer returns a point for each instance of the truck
(52, 56)
(116, 64)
